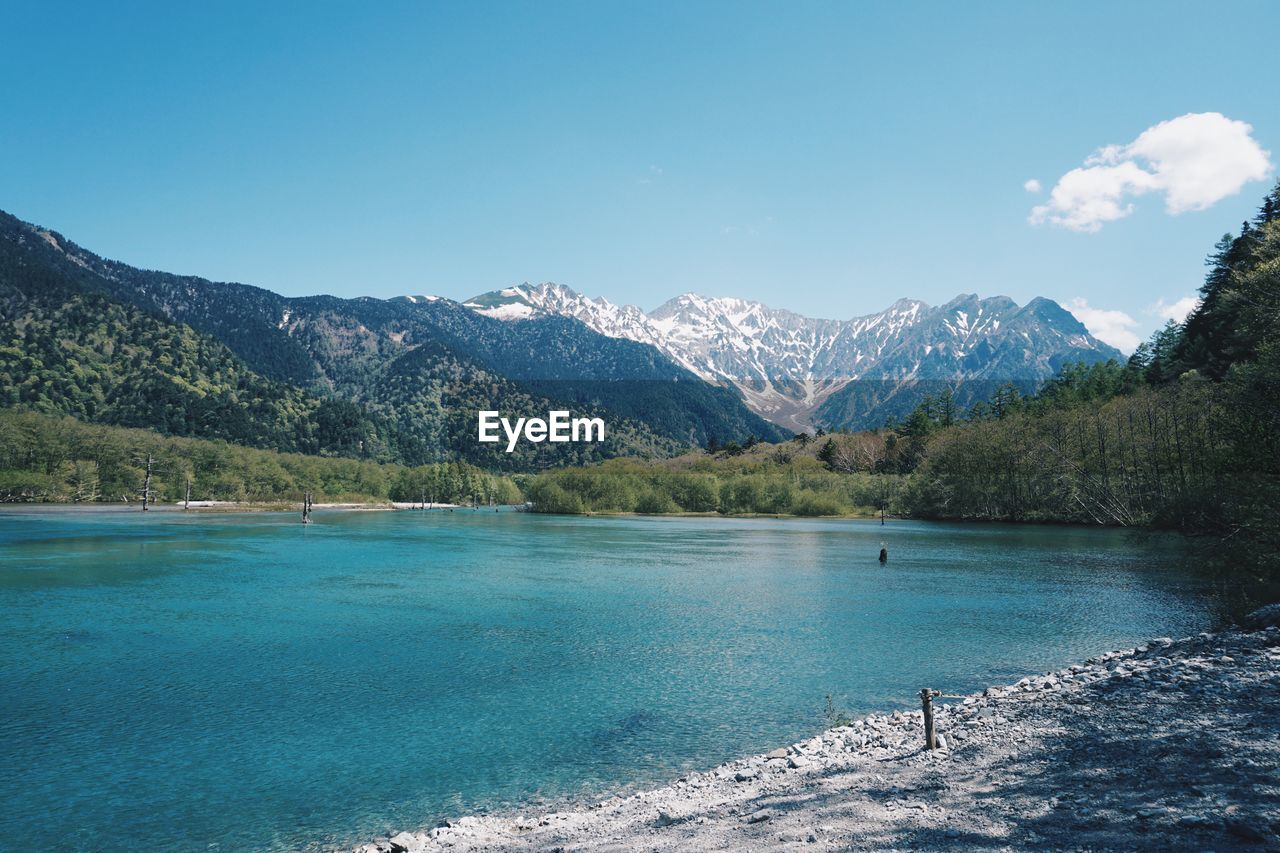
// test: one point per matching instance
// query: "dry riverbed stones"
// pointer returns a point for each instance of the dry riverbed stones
(1170, 745)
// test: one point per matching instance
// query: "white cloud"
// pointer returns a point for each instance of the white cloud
(1176, 311)
(1111, 327)
(1195, 160)
(1032, 186)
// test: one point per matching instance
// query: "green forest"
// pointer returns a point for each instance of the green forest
(1185, 435)
(52, 458)
(74, 352)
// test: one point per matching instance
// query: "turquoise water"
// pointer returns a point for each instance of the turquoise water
(244, 682)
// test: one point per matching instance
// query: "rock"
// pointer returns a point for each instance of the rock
(942, 741)
(759, 816)
(1264, 617)
(780, 752)
(746, 775)
(797, 761)
(404, 842)
(667, 817)
(1197, 821)
(1245, 831)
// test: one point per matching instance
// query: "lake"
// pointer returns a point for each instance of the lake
(240, 681)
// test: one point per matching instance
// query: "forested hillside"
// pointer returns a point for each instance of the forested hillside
(1186, 434)
(384, 380)
(73, 351)
(346, 348)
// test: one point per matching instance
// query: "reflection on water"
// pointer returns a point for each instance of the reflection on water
(245, 681)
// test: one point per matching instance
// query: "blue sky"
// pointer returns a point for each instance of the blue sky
(827, 158)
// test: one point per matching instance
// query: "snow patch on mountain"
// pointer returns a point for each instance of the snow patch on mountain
(510, 311)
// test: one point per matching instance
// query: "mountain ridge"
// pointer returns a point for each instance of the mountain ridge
(796, 370)
(418, 365)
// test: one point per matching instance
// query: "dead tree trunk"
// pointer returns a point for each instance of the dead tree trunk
(146, 484)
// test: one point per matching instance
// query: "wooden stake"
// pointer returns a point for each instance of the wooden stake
(930, 733)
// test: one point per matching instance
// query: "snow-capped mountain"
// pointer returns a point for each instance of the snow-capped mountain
(800, 371)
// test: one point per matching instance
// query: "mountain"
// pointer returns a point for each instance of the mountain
(66, 347)
(407, 374)
(802, 372)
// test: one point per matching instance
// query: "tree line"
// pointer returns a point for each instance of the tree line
(52, 458)
(776, 480)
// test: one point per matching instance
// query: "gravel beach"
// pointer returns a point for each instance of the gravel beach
(1173, 745)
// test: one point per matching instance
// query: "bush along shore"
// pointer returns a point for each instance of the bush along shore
(1170, 745)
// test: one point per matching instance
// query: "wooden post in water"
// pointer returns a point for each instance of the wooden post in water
(306, 507)
(930, 732)
(186, 504)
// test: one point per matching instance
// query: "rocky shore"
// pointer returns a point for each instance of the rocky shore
(1174, 745)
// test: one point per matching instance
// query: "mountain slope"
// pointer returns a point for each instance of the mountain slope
(349, 350)
(66, 347)
(801, 372)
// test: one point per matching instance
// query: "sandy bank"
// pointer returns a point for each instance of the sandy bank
(1170, 746)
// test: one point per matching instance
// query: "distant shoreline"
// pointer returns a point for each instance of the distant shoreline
(226, 506)
(386, 506)
(390, 506)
